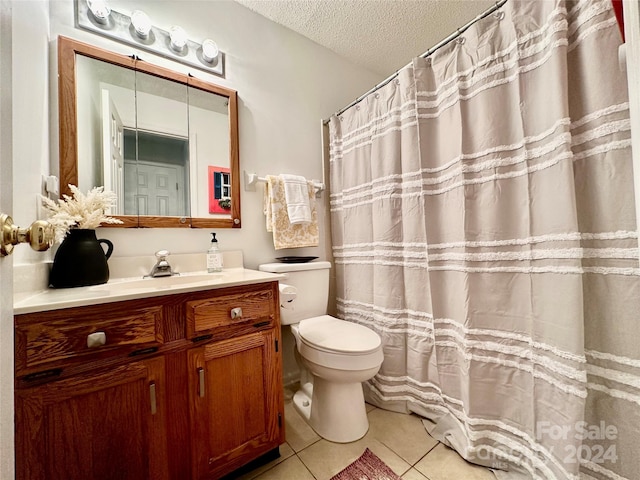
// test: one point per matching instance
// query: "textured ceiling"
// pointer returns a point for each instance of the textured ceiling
(380, 35)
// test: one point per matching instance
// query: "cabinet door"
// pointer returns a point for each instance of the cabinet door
(235, 393)
(103, 426)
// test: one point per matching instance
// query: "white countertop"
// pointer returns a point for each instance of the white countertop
(120, 289)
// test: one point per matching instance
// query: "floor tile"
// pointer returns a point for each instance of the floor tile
(285, 452)
(443, 463)
(291, 469)
(298, 433)
(402, 433)
(324, 459)
(413, 474)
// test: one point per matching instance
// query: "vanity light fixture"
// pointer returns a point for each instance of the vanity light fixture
(141, 23)
(178, 38)
(137, 31)
(100, 10)
(209, 50)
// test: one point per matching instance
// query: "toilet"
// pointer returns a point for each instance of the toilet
(334, 356)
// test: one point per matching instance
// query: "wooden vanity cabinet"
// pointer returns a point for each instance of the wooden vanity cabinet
(235, 385)
(100, 425)
(192, 388)
(235, 400)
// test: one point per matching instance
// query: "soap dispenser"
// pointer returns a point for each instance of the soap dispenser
(214, 256)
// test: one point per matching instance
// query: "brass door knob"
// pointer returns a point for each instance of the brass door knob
(39, 235)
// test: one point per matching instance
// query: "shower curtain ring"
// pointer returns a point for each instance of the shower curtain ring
(499, 15)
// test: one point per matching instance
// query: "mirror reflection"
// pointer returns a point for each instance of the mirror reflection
(209, 142)
(167, 147)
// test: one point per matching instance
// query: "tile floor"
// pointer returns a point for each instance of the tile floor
(399, 440)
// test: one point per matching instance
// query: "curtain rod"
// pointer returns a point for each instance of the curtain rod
(437, 46)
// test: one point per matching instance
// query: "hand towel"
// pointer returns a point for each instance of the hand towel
(296, 196)
(286, 235)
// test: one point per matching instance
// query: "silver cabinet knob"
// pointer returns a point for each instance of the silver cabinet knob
(201, 382)
(236, 313)
(153, 398)
(96, 339)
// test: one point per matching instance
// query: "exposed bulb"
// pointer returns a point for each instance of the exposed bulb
(178, 38)
(141, 23)
(209, 50)
(100, 10)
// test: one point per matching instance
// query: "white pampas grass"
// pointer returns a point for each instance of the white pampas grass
(80, 210)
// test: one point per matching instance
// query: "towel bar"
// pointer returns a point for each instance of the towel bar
(250, 180)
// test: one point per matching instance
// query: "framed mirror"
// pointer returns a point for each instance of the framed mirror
(166, 143)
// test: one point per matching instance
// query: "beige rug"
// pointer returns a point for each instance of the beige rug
(367, 467)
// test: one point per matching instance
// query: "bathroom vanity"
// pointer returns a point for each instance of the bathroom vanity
(154, 380)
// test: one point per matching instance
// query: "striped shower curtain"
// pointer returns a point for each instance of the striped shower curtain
(483, 224)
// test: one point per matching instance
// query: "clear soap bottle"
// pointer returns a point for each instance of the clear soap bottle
(214, 256)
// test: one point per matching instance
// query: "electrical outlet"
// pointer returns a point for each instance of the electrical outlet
(52, 185)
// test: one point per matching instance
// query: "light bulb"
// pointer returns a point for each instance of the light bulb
(100, 10)
(209, 50)
(178, 38)
(141, 23)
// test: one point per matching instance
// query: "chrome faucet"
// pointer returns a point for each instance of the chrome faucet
(162, 267)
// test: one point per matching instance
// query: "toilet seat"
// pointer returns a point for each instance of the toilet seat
(331, 343)
(331, 335)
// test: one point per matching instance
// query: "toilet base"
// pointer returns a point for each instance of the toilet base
(336, 411)
(302, 405)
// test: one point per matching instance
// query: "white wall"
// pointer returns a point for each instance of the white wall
(31, 127)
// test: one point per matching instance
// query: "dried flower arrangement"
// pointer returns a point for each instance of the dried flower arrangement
(80, 210)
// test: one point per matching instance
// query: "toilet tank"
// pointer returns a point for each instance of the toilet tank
(311, 281)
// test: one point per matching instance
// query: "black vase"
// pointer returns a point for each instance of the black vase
(80, 260)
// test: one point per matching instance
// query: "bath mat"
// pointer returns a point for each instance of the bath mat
(367, 467)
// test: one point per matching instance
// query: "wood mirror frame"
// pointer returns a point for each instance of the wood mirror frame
(68, 49)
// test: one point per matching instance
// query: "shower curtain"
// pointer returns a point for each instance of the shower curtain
(483, 224)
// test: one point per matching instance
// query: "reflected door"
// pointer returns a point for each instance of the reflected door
(157, 189)
(155, 181)
(112, 150)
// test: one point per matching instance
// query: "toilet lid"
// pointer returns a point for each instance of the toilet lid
(333, 335)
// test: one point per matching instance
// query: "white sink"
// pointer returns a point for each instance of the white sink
(161, 283)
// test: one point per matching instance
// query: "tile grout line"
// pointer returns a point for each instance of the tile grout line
(399, 456)
(305, 465)
(422, 458)
(427, 453)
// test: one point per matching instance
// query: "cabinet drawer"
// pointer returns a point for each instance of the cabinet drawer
(227, 310)
(53, 340)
